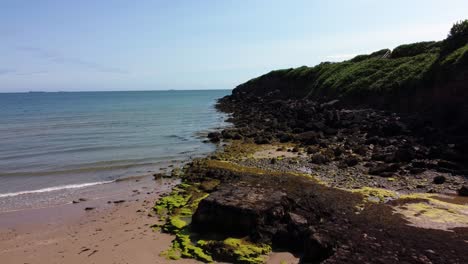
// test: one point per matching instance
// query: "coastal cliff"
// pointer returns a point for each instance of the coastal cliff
(351, 162)
(425, 77)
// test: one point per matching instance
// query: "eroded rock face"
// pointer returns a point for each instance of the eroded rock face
(239, 209)
(265, 215)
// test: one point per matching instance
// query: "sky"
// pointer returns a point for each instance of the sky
(98, 45)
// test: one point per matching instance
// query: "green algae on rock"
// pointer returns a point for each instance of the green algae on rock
(177, 208)
(237, 250)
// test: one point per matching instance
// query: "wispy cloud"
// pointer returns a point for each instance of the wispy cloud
(66, 60)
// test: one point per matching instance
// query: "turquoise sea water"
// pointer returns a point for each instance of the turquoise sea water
(58, 141)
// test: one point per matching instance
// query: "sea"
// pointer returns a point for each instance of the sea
(55, 145)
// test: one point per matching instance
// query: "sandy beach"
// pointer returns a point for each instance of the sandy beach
(117, 230)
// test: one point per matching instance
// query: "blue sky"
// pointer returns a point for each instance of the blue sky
(150, 45)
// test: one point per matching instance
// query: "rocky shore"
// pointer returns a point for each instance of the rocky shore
(330, 184)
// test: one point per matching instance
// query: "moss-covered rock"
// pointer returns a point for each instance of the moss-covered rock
(237, 250)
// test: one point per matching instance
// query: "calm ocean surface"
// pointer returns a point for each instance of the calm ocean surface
(51, 142)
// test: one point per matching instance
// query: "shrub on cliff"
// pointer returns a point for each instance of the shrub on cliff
(457, 37)
(414, 49)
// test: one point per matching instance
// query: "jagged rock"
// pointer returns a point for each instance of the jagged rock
(297, 220)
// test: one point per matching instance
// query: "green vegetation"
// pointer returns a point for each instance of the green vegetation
(375, 194)
(176, 210)
(406, 69)
(457, 37)
(237, 250)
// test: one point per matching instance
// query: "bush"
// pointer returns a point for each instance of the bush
(414, 49)
(457, 37)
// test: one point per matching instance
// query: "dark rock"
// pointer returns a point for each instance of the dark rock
(379, 156)
(319, 159)
(394, 128)
(330, 131)
(404, 155)
(119, 201)
(361, 150)
(284, 137)
(262, 140)
(351, 161)
(439, 179)
(312, 150)
(448, 165)
(382, 169)
(338, 151)
(227, 134)
(89, 208)
(214, 137)
(308, 138)
(236, 210)
(316, 126)
(416, 170)
(317, 248)
(463, 191)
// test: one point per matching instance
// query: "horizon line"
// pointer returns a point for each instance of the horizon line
(103, 91)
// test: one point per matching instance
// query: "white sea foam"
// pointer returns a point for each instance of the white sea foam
(55, 188)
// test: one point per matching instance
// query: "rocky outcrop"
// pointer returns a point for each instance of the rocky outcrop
(319, 223)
